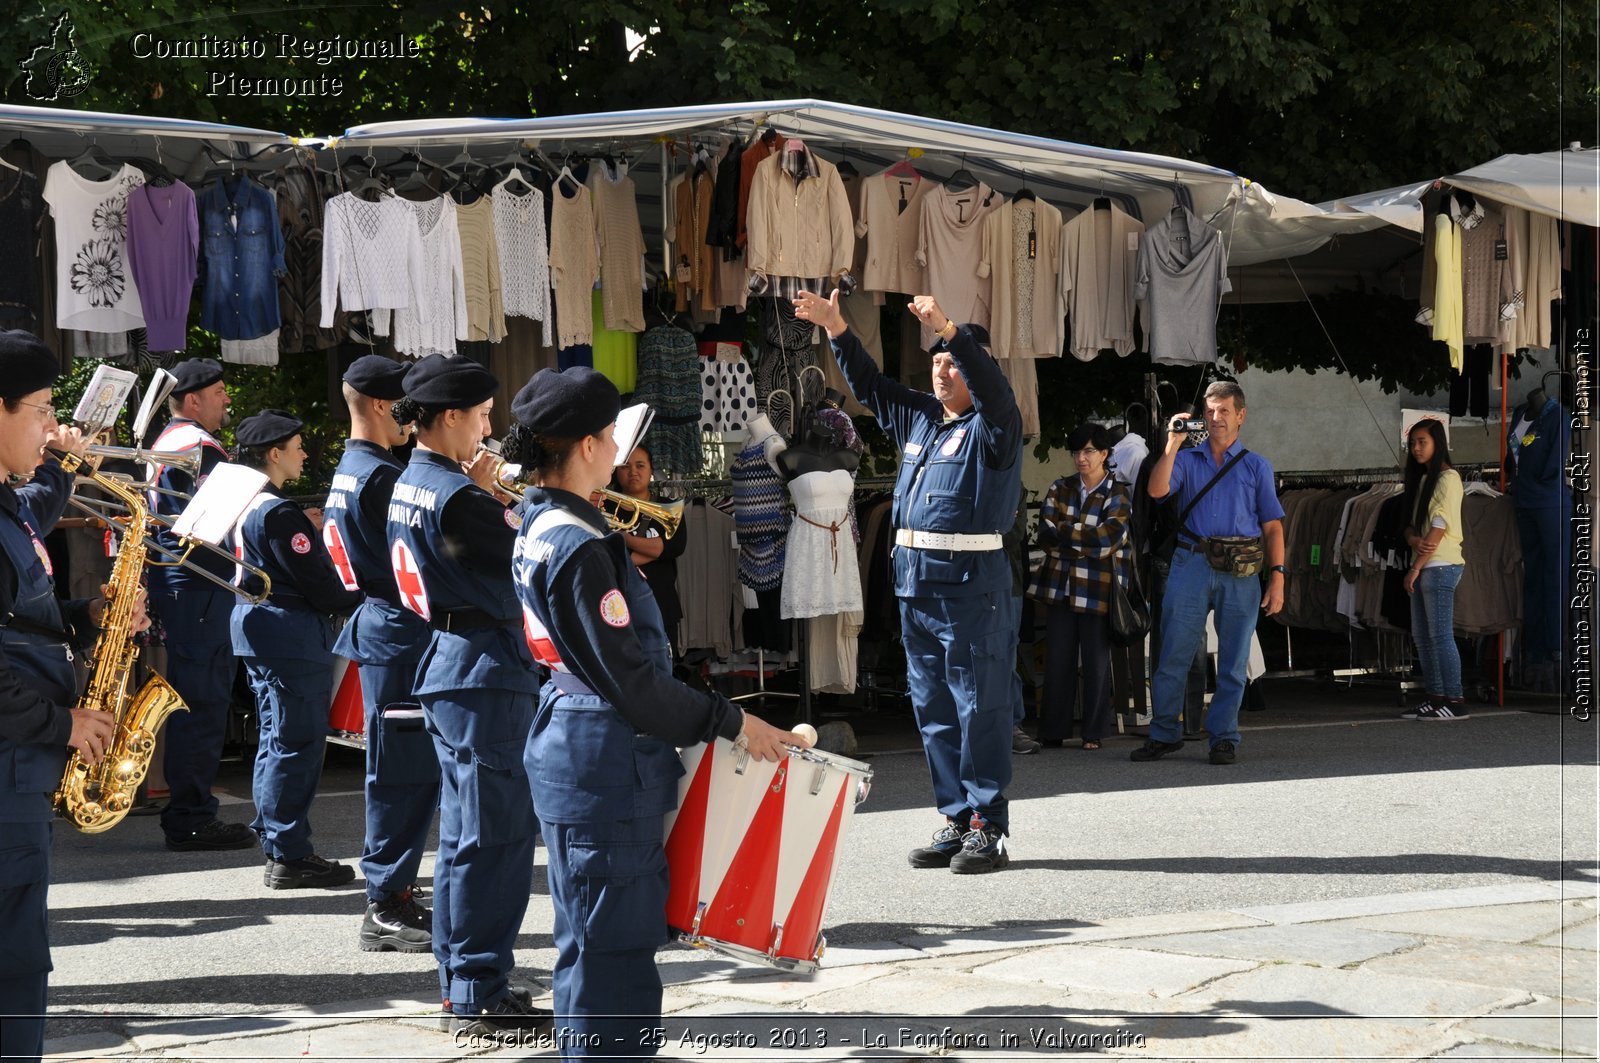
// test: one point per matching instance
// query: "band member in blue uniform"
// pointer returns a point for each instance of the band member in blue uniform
(286, 643)
(957, 492)
(194, 615)
(450, 546)
(386, 640)
(38, 689)
(601, 756)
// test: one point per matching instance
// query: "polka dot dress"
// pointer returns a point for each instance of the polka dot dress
(727, 391)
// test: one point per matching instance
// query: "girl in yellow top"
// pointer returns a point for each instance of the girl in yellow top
(1432, 504)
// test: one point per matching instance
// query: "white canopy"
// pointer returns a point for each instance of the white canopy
(1059, 170)
(1562, 184)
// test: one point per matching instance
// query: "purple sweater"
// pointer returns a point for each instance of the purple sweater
(163, 241)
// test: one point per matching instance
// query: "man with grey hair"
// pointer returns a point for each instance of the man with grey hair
(1230, 523)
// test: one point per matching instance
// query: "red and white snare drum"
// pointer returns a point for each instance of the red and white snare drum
(753, 850)
(347, 721)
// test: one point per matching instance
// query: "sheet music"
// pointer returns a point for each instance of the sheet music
(632, 424)
(219, 503)
(161, 385)
(103, 399)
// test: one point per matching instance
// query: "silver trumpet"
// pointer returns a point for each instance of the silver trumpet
(188, 461)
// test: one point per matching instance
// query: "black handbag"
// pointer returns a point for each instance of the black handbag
(1129, 615)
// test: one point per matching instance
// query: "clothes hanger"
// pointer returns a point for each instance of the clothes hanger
(9, 166)
(93, 155)
(962, 179)
(847, 168)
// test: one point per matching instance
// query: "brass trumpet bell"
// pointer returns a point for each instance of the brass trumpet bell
(622, 512)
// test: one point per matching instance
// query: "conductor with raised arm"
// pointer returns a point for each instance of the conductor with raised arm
(957, 491)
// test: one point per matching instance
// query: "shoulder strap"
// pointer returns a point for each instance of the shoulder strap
(1183, 517)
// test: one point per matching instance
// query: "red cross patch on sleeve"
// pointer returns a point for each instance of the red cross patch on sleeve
(301, 543)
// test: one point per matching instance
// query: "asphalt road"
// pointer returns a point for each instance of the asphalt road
(1332, 798)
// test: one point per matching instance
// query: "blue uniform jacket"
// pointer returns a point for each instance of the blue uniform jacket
(450, 547)
(37, 684)
(962, 474)
(602, 744)
(355, 531)
(278, 538)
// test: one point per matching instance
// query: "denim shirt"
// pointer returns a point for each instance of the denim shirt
(241, 262)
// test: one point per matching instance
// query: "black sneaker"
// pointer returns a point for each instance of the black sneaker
(213, 836)
(507, 1017)
(308, 872)
(1427, 703)
(983, 849)
(1445, 710)
(946, 844)
(1153, 750)
(1022, 744)
(1223, 753)
(398, 924)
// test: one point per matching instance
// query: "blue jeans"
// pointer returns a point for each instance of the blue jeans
(1194, 589)
(1433, 610)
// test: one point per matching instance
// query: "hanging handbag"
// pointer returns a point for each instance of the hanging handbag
(1129, 618)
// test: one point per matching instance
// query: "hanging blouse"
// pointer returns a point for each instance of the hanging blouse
(574, 261)
(371, 255)
(437, 318)
(519, 233)
(20, 210)
(94, 290)
(480, 262)
(951, 248)
(621, 242)
(669, 381)
(163, 242)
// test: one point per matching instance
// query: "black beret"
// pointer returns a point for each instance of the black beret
(196, 373)
(377, 377)
(268, 428)
(978, 332)
(26, 364)
(567, 404)
(449, 382)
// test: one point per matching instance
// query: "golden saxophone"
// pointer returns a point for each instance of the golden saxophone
(95, 799)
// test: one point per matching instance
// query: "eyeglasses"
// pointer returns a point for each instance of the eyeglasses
(51, 410)
(1087, 451)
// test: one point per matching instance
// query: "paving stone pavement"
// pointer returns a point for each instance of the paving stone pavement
(1503, 972)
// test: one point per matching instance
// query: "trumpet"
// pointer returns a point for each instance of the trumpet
(188, 461)
(622, 512)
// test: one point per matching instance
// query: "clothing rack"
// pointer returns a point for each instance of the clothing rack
(721, 488)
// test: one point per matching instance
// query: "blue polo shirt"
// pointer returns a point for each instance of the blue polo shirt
(1241, 502)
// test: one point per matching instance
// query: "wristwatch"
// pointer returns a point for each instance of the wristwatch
(1278, 568)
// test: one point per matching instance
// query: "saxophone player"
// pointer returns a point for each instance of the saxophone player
(38, 720)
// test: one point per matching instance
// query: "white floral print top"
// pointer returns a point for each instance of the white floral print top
(94, 289)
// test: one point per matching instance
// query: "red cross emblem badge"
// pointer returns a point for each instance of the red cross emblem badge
(408, 577)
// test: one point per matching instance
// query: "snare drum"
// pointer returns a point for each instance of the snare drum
(753, 849)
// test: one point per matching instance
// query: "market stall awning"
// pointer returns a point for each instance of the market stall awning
(1063, 171)
(1562, 184)
(62, 133)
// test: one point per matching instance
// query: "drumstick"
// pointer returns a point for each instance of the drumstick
(806, 731)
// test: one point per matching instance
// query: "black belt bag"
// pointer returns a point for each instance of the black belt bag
(1237, 555)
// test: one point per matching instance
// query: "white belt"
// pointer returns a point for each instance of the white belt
(927, 540)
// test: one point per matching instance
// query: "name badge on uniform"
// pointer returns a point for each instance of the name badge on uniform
(913, 449)
(953, 444)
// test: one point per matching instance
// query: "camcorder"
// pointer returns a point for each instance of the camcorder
(1187, 424)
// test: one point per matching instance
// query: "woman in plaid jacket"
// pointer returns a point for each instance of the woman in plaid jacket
(1083, 527)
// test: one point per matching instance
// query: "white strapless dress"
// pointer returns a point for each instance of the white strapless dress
(821, 572)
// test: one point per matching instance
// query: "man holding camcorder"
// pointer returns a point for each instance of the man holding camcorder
(1230, 525)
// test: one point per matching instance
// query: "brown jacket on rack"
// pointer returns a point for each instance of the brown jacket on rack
(799, 227)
